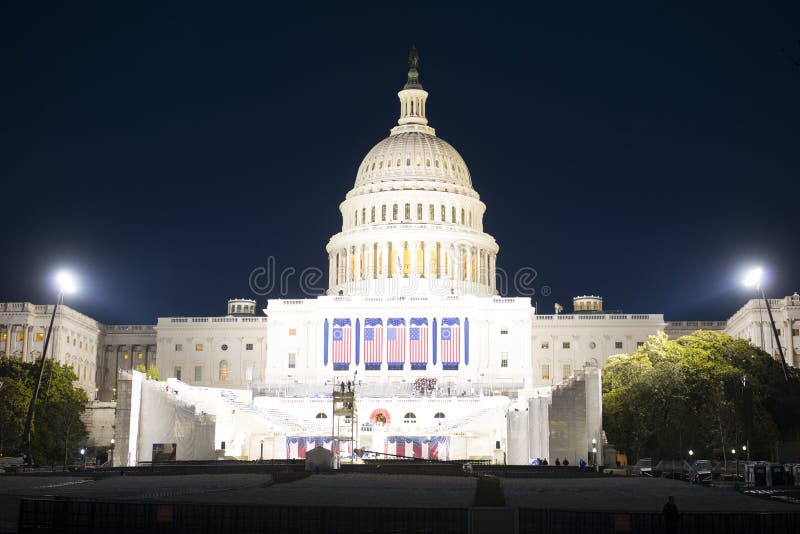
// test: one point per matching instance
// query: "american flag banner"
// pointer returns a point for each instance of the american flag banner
(426, 448)
(395, 343)
(373, 344)
(451, 343)
(341, 344)
(297, 447)
(418, 343)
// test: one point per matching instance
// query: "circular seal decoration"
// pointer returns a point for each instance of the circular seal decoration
(224, 347)
(592, 345)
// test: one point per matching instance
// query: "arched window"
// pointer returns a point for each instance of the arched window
(410, 417)
(408, 212)
(419, 212)
(372, 215)
(444, 214)
(355, 218)
(321, 415)
(432, 214)
(383, 213)
(462, 216)
(421, 260)
(470, 219)
(439, 415)
(394, 212)
(223, 370)
(453, 215)
(406, 259)
(363, 215)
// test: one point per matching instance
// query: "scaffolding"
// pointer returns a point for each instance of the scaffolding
(344, 423)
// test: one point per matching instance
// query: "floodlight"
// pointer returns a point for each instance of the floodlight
(753, 278)
(66, 284)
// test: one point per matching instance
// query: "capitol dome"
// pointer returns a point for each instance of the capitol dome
(413, 223)
(406, 158)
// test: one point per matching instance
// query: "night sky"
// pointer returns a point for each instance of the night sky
(647, 152)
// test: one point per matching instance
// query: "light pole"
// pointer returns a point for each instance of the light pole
(733, 452)
(691, 454)
(65, 285)
(112, 452)
(753, 279)
(83, 458)
(594, 452)
(745, 451)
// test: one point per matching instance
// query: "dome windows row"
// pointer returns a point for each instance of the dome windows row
(392, 162)
(446, 214)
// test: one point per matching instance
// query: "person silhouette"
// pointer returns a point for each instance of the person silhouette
(671, 516)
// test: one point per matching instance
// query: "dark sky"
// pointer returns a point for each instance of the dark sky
(647, 151)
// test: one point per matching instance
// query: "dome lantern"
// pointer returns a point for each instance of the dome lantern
(413, 96)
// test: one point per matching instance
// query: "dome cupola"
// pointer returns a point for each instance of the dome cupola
(413, 223)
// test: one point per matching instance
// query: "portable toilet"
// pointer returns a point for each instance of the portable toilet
(776, 475)
(788, 470)
(755, 474)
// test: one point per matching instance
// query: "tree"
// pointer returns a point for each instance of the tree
(672, 395)
(57, 428)
(151, 372)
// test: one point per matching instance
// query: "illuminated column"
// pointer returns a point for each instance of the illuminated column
(412, 258)
(492, 277)
(26, 332)
(331, 272)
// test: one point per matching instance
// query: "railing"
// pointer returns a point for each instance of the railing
(148, 517)
(178, 320)
(601, 317)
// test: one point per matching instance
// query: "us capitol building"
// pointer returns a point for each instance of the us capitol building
(441, 366)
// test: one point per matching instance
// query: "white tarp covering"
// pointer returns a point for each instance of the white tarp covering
(166, 418)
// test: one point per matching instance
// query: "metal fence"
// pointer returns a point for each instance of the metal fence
(533, 521)
(152, 518)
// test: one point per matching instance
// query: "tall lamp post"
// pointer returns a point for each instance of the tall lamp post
(753, 279)
(65, 285)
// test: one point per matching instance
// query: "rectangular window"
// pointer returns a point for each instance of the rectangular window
(778, 329)
(618, 344)
(565, 345)
(5, 336)
(796, 331)
(545, 344)
(39, 336)
(125, 356)
(293, 331)
(178, 347)
(565, 371)
(199, 347)
(292, 360)
(639, 343)
(248, 374)
(198, 373)
(248, 346)
(178, 372)
(21, 336)
(139, 356)
(503, 331)
(546, 371)
(503, 359)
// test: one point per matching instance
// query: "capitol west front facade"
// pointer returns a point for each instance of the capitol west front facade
(442, 365)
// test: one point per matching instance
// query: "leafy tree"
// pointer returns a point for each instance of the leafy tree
(151, 372)
(57, 429)
(672, 395)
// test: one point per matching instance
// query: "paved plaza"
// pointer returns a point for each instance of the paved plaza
(380, 490)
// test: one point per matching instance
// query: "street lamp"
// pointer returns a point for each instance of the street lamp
(83, 458)
(691, 453)
(66, 284)
(754, 279)
(112, 452)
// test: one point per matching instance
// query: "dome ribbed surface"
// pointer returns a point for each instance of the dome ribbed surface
(413, 156)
